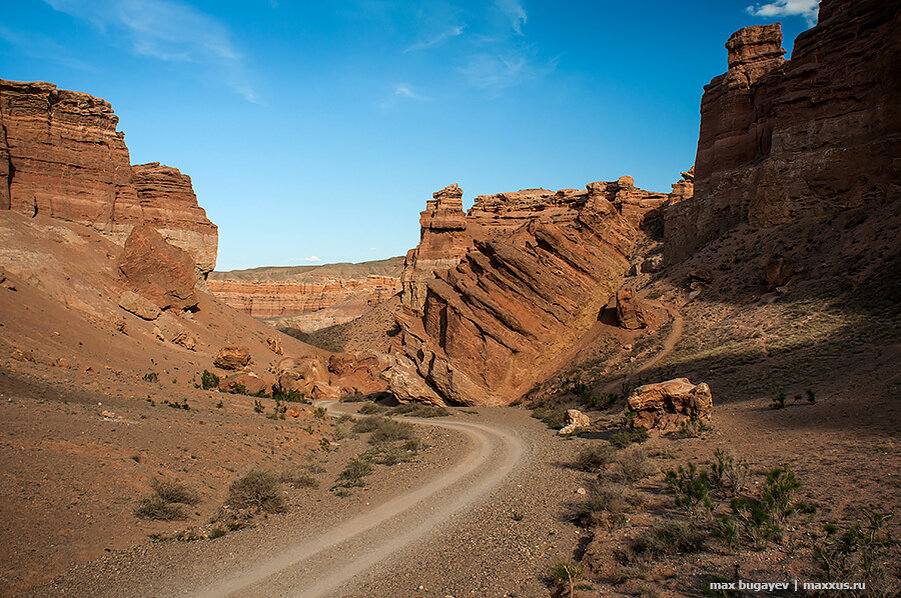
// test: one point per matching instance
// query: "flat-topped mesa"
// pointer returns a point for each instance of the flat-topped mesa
(784, 140)
(61, 156)
(491, 305)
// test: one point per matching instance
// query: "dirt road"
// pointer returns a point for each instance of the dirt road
(315, 567)
(480, 515)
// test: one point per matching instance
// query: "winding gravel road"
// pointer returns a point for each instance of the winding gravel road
(315, 567)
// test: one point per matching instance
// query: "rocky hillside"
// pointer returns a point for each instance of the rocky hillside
(494, 296)
(309, 297)
(61, 156)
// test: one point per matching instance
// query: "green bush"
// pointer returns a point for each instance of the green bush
(259, 489)
(691, 487)
(778, 491)
(728, 474)
(420, 410)
(208, 380)
(384, 429)
(373, 409)
(858, 553)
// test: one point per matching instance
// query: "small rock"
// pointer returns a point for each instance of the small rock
(64, 363)
(158, 334)
(185, 340)
(581, 491)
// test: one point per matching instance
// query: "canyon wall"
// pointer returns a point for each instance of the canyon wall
(345, 289)
(61, 156)
(493, 296)
(781, 140)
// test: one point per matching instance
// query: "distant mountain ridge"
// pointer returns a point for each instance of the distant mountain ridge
(392, 266)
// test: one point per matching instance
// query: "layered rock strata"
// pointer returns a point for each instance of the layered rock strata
(529, 273)
(781, 140)
(61, 156)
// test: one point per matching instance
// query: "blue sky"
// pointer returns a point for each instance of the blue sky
(315, 130)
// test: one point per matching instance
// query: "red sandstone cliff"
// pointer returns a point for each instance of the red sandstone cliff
(61, 156)
(492, 296)
(781, 140)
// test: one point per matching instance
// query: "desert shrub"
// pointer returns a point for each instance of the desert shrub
(297, 477)
(624, 438)
(632, 464)
(693, 428)
(173, 492)
(259, 489)
(811, 396)
(354, 472)
(355, 397)
(567, 572)
(150, 377)
(728, 473)
(858, 554)
(755, 521)
(691, 488)
(552, 418)
(288, 395)
(391, 454)
(778, 491)
(605, 497)
(779, 397)
(167, 503)
(158, 509)
(373, 409)
(208, 380)
(599, 401)
(258, 407)
(594, 457)
(420, 410)
(384, 429)
(676, 537)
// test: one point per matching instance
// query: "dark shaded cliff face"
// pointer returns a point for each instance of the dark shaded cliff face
(494, 296)
(61, 156)
(783, 140)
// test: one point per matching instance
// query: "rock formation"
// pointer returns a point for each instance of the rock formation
(443, 241)
(61, 156)
(232, 358)
(169, 205)
(781, 140)
(161, 272)
(667, 404)
(328, 294)
(493, 296)
(629, 312)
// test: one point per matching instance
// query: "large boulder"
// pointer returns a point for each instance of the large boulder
(301, 374)
(629, 312)
(159, 271)
(667, 404)
(247, 383)
(575, 422)
(139, 306)
(232, 358)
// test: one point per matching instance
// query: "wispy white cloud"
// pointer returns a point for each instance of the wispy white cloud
(496, 72)
(167, 30)
(312, 258)
(437, 39)
(806, 9)
(515, 12)
(403, 90)
(38, 45)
